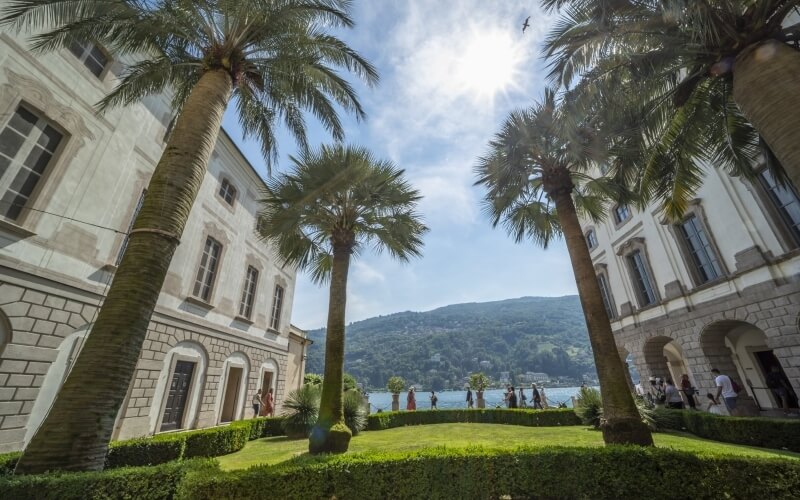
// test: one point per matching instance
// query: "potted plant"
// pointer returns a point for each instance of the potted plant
(479, 381)
(396, 385)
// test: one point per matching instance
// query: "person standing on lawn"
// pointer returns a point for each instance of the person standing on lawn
(725, 389)
(469, 398)
(537, 397)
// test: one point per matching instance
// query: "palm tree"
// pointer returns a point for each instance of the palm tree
(275, 59)
(536, 180)
(336, 201)
(709, 77)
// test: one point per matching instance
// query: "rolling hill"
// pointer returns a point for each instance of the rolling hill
(439, 348)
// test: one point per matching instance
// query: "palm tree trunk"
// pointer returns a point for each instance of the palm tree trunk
(330, 434)
(765, 86)
(622, 425)
(77, 430)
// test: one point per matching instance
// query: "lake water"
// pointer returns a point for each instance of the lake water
(457, 399)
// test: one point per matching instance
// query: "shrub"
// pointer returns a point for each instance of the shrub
(8, 461)
(589, 406)
(611, 472)
(478, 381)
(395, 385)
(145, 483)
(146, 451)
(300, 411)
(355, 413)
(217, 440)
(312, 379)
(530, 418)
(752, 431)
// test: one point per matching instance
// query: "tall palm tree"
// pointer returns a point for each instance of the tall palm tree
(275, 59)
(536, 175)
(336, 201)
(710, 78)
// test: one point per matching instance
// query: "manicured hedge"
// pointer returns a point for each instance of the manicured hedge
(217, 440)
(752, 431)
(612, 472)
(7, 462)
(145, 451)
(530, 418)
(140, 483)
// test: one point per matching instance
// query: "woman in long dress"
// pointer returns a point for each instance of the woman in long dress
(411, 400)
(268, 404)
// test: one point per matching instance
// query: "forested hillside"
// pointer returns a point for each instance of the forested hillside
(538, 334)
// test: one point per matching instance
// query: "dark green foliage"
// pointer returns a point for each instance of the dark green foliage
(140, 483)
(218, 440)
(349, 382)
(355, 413)
(265, 426)
(530, 418)
(8, 461)
(589, 406)
(518, 335)
(312, 379)
(300, 411)
(753, 431)
(612, 472)
(145, 451)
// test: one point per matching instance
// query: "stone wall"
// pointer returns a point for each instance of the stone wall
(35, 321)
(771, 307)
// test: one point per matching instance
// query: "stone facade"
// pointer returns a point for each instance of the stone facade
(718, 289)
(58, 255)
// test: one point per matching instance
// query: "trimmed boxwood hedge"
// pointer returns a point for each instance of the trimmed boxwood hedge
(612, 472)
(217, 440)
(530, 418)
(752, 431)
(140, 483)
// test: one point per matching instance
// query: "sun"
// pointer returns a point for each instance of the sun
(488, 64)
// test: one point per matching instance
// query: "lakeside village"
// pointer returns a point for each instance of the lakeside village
(158, 249)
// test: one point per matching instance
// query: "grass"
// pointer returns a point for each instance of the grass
(491, 436)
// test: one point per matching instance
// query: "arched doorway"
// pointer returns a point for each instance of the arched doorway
(665, 358)
(233, 387)
(179, 389)
(741, 351)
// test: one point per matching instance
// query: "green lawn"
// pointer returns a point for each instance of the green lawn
(492, 436)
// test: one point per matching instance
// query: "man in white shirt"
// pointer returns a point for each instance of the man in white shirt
(725, 388)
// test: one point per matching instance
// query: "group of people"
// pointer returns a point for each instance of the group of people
(514, 400)
(263, 403)
(666, 392)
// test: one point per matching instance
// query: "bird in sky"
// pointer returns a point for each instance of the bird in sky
(525, 25)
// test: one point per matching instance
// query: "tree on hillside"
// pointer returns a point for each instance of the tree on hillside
(275, 59)
(705, 81)
(535, 175)
(335, 202)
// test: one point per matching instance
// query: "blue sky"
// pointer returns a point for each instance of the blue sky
(450, 73)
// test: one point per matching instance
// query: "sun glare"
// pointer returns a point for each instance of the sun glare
(488, 63)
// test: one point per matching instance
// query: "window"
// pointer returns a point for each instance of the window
(622, 213)
(130, 227)
(786, 201)
(605, 292)
(27, 146)
(591, 239)
(90, 55)
(277, 304)
(700, 250)
(642, 281)
(249, 293)
(227, 192)
(208, 269)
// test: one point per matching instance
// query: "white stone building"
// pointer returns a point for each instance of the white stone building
(70, 185)
(720, 288)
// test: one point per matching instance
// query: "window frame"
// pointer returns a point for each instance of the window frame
(26, 148)
(232, 190)
(276, 310)
(591, 234)
(615, 214)
(601, 271)
(695, 211)
(777, 213)
(203, 281)
(626, 250)
(249, 293)
(86, 53)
